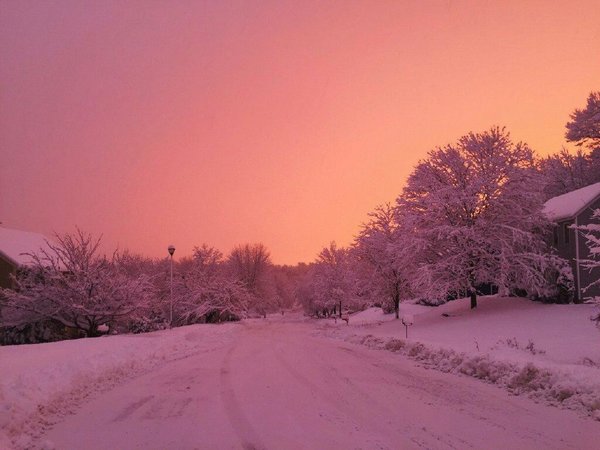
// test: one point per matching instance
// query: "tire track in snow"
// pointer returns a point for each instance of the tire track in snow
(346, 396)
(339, 397)
(133, 407)
(238, 420)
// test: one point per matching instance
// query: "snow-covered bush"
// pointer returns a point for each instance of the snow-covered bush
(430, 301)
(205, 290)
(145, 323)
(521, 378)
(560, 282)
(72, 284)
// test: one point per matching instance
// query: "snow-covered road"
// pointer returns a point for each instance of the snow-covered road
(277, 385)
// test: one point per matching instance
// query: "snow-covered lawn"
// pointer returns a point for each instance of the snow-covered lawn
(47, 380)
(550, 352)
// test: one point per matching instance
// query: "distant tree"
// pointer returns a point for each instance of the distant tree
(305, 292)
(207, 260)
(564, 171)
(71, 283)
(476, 209)
(333, 280)
(388, 250)
(213, 300)
(283, 288)
(154, 315)
(250, 264)
(205, 291)
(584, 127)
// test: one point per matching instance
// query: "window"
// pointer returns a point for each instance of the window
(566, 229)
(555, 237)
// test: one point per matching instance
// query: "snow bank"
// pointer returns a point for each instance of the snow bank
(371, 316)
(549, 352)
(44, 381)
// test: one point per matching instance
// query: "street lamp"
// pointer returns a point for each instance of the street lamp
(171, 251)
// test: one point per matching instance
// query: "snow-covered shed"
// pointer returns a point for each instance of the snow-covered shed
(567, 211)
(15, 245)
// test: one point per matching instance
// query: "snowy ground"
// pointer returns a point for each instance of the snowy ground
(549, 352)
(279, 383)
(41, 383)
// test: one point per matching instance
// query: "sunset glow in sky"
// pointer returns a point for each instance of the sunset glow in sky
(278, 122)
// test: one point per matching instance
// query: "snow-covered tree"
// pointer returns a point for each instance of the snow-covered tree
(213, 300)
(332, 282)
(207, 260)
(205, 291)
(475, 207)
(70, 282)
(390, 252)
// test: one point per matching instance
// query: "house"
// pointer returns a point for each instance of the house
(568, 211)
(15, 247)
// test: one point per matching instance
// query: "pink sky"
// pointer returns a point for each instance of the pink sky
(280, 122)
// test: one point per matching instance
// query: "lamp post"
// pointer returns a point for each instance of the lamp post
(171, 251)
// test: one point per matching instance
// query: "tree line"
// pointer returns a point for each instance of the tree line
(72, 290)
(469, 220)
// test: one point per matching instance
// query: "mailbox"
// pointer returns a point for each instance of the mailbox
(407, 320)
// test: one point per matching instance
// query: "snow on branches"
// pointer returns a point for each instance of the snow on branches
(591, 233)
(384, 245)
(476, 207)
(72, 284)
(333, 282)
(205, 291)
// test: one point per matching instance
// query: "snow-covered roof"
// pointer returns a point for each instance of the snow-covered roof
(572, 203)
(15, 244)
